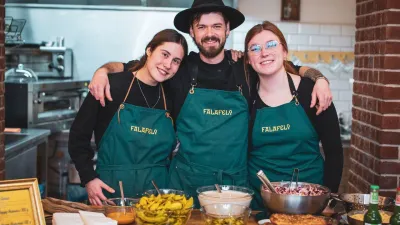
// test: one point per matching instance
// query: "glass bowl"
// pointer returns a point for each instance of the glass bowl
(230, 194)
(123, 214)
(172, 207)
(225, 213)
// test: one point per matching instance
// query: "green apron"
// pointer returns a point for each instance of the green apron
(135, 149)
(212, 128)
(283, 139)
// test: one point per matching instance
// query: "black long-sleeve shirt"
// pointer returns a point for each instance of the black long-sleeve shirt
(327, 127)
(92, 117)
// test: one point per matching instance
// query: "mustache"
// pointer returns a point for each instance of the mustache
(210, 38)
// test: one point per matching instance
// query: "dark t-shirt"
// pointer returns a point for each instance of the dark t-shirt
(327, 127)
(92, 117)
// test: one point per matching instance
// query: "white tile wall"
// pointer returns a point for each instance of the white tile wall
(331, 29)
(316, 37)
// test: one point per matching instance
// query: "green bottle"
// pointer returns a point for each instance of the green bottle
(373, 217)
(395, 219)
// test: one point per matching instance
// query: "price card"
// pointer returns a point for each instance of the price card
(20, 202)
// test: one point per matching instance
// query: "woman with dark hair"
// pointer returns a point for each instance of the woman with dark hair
(285, 131)
(134, 133)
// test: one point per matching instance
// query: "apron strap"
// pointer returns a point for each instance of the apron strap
(121, 106)
(293, 89)
(167, 114)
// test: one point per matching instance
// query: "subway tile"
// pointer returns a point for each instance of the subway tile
(347, 49)
(288, 28)
(331, 30)
(342, 106)
(341, 41)
(339, 85)
(292, 47)
(308, 28)
(348, 30)
(298, 39)
(238, 37)
(345, 95)
(335, 95)
(329, 49)
(239, 47)
(308, 48)
(319, 40)
(246, 26)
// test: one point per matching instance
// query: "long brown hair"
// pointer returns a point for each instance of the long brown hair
(167, 35)
(266, 25)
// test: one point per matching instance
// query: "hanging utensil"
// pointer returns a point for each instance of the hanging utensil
(264, 179)
(218, 188)
(295, 171)
(156, 187)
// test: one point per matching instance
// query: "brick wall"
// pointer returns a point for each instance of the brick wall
(375, 139)
(2, 67)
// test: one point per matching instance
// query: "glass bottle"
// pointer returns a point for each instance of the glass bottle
(395, 219)
(373, 217)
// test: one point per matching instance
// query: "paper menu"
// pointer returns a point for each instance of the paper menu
(14, 208)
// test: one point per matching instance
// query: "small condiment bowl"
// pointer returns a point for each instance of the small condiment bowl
(230, 194)
(354, 221)
(123, 214)
(225, 213)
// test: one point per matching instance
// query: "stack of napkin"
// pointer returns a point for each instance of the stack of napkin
(82, 218)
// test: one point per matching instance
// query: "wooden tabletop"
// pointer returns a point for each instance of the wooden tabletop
(196, 219)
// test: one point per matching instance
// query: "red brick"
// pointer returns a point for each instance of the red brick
(390, 168)
(1, 101)
(373, 90)
(2, 164)
(2, 88)
(358, 10)
(390, 48)
(2, 175)
(2, 150)
(386, 152)
(391, 17)
(390, 138)
(364, 131)
(391, 194)
(380, 121)
(392, 4)
(391, 33)
(388, 107)
(391, 93)
(386, 182)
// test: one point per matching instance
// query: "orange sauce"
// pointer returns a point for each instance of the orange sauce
(122, 218)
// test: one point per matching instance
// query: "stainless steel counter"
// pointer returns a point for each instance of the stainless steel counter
(15, 143)
(26, 154)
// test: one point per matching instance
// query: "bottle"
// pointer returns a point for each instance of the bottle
(395, 219)
(373, 217)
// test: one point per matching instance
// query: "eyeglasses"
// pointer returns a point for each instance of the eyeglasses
(270, 45)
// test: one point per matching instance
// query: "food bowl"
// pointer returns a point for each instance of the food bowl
(225, 214)
(356, 217)
(123, 214)
(295, 204)
(356, 201)
(172, 207)
(229, 194)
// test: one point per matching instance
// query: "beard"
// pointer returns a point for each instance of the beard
(211, 52)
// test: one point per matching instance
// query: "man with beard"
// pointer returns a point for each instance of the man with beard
(210, 94)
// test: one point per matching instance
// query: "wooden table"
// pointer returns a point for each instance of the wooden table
(196, 219)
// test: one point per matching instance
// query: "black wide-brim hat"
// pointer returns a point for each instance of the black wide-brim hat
(182, 19)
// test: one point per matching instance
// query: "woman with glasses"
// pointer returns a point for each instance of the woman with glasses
(285, 131)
